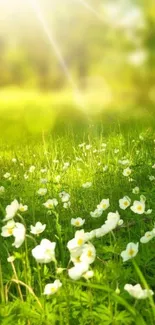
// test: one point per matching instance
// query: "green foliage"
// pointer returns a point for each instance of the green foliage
(96, 51)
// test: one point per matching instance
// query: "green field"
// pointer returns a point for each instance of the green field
(77, 162)
(65, 157)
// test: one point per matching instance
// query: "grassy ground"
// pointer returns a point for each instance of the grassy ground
(101, 299)
(25, 113)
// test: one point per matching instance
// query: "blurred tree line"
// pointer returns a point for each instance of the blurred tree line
(106, 44)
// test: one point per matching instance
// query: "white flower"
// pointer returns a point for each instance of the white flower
(75, 254)
(138, 207)
(151, 178)
(87, 185)
(66, 165)
(7, 230)
(76, 272)
(15, 229)
(104, 145)
(19, 234)
(130, 252)
(66, 205)
(78, 222)
(153, 166)
(135, 190)
(2, 190)
(11, 259)
(26, 176)
(32, 169)
(142, 198)
(45, 252)
(88, 254)
(52, 288)
(97, 213)
(131, 179)
(137, 292)
(14, 160)
(116, 150)
(38, 228)
(104, 204)
(79, 240)
(147, 237)
(149, 211)
(78, 159)
(43, 170)
(22, 208)
(120, 222)
(124, 202)
(64, 196)
(141, 137)
(43, 180)
(42, 191)
(91, 234)
(81, 145)
(102, 150)
(127, 171)
(51, 203)
(57, 178)
(7, 175)
(105, 168)
(102, 231)
(88, 146)
(124, 162)
(113, 220)
(11, 210)
(88, 275)
(55, 161)
(60, 270)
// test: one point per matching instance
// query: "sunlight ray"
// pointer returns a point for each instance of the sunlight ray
(91, 9)
(55, 46)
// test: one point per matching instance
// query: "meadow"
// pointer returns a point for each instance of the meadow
(90, 185)
(77, 162)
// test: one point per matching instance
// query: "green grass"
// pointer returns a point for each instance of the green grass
(27, 113)
(79, 302)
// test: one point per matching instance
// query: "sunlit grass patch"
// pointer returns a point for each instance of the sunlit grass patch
(26, 113)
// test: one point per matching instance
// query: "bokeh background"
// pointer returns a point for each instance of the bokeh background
(68, 62)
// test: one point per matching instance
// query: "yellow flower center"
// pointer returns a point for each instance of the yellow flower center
(77, 223)
(131, 252)
(80, 241)
(48, 251)
(126, 203)
(78, 259)
(50, 205)
(139, 208)
(10, 231)
(89, 254)
(104, 205)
